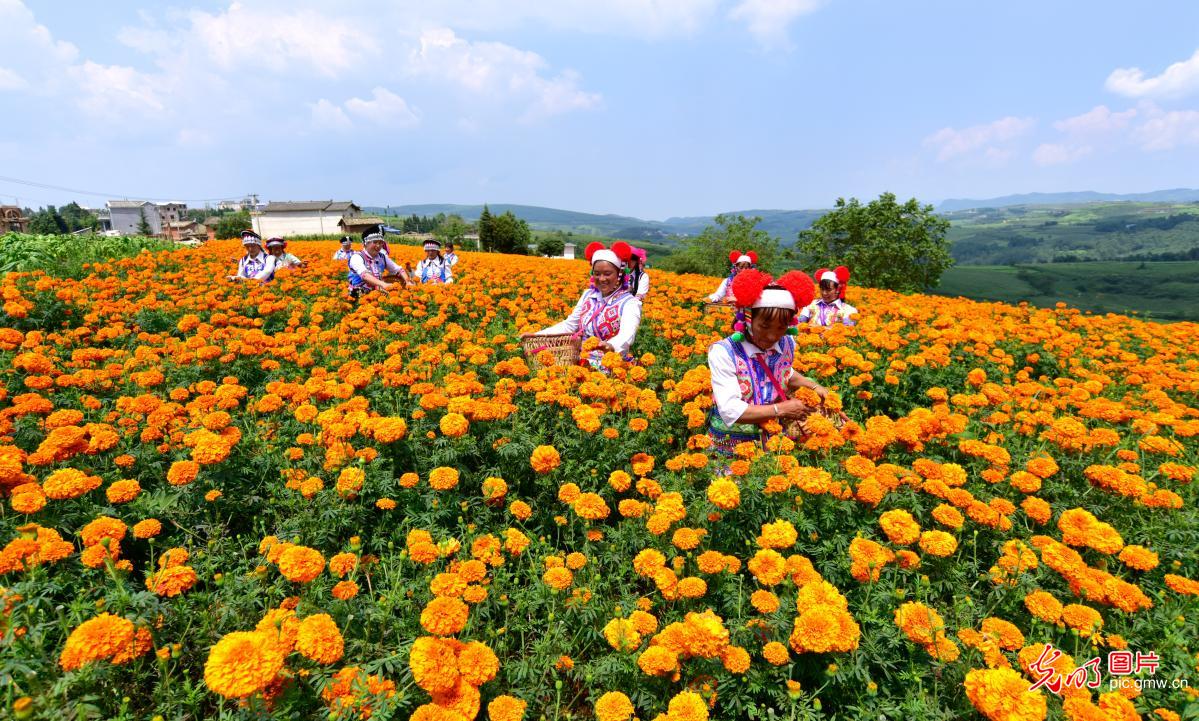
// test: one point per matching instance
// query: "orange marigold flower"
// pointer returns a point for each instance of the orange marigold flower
(243, 663)
(900, 527)
(506, 708)
(591, 507)
(557, 578)
(776, 654)
(1001, 694)
(938, 543)
(821, 629)
(444, 616)
(545, 459)
(319, 639)
(345, 590)
(68, 483)
(105, 637)
(182, 473)
(443, 478)
(614, 706)
(123, 491)
(171, 581)
(724, 494)
(454, 425)
(301, 564)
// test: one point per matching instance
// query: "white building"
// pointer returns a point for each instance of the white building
(308, 217)
(126, 215)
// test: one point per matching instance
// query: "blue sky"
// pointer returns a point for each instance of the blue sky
(652, 108)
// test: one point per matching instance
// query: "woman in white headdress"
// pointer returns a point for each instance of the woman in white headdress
(433, 268)
(738, 262)
(607, 310)
(367, 267)
(256, 264)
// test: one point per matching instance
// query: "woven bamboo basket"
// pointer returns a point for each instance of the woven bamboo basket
(564, 347)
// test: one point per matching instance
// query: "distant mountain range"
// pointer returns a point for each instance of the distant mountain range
(1177, 195)
(784, 224)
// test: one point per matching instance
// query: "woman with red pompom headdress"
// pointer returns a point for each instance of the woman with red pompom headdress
(607, 310)
(751, 370)
(830, 308)
(738, 262)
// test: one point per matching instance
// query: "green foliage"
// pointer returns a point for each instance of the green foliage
(885, 244)
(1169, 291)
(143, 224)
(552, 244)
(486, 237)
(451, 229)
(510, 234)
(708, 252)
(1075, 233)
(66, 256)
(48, 222)
(232, 225)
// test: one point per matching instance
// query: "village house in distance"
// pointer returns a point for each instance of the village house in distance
(306, 217)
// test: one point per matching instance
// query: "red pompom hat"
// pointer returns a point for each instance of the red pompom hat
(737, 256)
(618, 255)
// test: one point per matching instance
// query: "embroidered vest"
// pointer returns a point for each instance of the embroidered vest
(251, 267)
(376, 266)
(756, 388)
(427, 275)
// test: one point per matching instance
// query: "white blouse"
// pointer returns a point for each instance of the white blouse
(726, 388)
(630, 319)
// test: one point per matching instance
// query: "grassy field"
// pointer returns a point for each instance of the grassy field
(1166, 291)
(1089, 232)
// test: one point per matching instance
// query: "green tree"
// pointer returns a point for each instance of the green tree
(143, 224)
(77, 218)
(451, 229)
(708, 252)
(47, 221)
(231, 225)
(510, 234)
(552, 245)
(486, 239)
(884, 244)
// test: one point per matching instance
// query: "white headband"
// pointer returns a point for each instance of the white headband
(432, 246)
(744, 259)
(251, 240)
(605, 255)
(775, 298)
(829, 275)
(272, 243)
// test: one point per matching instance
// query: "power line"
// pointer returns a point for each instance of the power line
(47, 186)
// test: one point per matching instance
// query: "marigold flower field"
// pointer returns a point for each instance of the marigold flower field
(242, 501)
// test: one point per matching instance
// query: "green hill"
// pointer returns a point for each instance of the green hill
(1081, 232)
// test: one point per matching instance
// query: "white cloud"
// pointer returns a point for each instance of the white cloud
(1096, 121)
(10, 80)
(769, 20)
(1167, 130)
(326, 115)
(386, 108)
(498, 71)
(114, 90)
(1059, 153)
(986, 138)
(30, 57)
(278, 41)
(637, 18)
(1176, 81)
